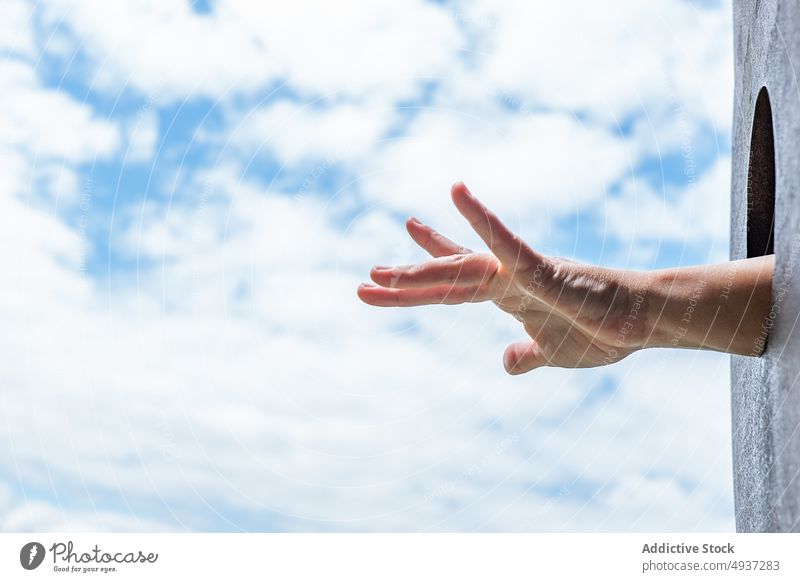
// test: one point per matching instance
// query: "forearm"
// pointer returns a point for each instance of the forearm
(721, 307)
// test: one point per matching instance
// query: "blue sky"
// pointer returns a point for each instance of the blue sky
(193, 192)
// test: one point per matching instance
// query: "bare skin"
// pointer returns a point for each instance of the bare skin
(578, 315)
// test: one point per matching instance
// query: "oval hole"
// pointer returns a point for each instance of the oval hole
(761, 181)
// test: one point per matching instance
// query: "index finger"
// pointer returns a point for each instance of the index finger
(506, 246)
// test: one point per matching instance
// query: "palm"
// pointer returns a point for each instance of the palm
(574, 314)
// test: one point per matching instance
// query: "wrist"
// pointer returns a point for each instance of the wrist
(635, 321)
(661, 328)
(678, 310)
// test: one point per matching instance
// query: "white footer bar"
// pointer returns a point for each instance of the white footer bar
(406, 557)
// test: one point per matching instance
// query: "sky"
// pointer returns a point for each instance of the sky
(192, 192)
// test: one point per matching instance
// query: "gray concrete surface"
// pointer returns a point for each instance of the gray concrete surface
(766, 390)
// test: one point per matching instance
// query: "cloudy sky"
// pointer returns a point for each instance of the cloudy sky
(192, 190)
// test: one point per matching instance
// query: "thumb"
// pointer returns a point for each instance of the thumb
(523, 356)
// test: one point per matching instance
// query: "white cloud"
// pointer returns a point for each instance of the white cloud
(693, 215)
(162, 48)
(45, 123)
(30, 514)
(315, 131)
(532, 169)
(142, 134)
(611, 58)
(16, 37)
(44, 134)
(165, 49)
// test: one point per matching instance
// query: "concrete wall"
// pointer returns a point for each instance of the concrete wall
(766, 390)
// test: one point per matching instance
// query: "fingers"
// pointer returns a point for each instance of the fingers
(440, 294)
(523, 356)
(505, 245)
(472, 269)
(429, 239)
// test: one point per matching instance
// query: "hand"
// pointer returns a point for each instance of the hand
(575, 315)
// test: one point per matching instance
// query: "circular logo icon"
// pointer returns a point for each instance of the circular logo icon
(31, 555)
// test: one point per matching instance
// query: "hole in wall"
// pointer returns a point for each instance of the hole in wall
(761, 181)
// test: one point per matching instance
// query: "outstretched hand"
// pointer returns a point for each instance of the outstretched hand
(575, 315)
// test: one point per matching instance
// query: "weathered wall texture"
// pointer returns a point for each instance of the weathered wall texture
(766, 390)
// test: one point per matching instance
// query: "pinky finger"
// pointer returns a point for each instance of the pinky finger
(440, 294)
